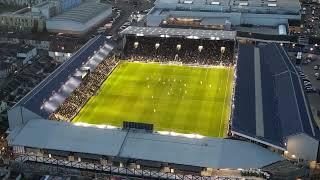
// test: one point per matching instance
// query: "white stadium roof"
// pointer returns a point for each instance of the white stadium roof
(80, 19)
(179, 32)
(84, 12)
(204, 152)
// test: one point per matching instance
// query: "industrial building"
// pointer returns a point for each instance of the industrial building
(80, 19)
(250, 15)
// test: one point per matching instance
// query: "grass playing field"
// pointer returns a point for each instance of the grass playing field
(176, 98)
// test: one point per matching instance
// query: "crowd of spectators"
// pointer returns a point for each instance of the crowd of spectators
(187, 51)
(89, 86)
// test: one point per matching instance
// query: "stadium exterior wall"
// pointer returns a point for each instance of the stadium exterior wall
(76, 28)
(303, 146)
(19, 115)
(236, 18)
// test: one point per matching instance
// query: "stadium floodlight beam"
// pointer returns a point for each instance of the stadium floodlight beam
(49, 106)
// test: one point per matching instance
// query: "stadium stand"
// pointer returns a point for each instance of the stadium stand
(89, 86)
(203, 52)
(67, 74)
(284, 112)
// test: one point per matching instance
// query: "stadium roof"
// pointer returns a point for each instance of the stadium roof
(83, 13)
(205, 152)
(214, 21)
(270, 104)
(35, 99)
(232, 5)
(179, 32)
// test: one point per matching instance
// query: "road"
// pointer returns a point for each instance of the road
(126, 10)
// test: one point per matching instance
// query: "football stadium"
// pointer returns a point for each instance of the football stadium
(167, 103)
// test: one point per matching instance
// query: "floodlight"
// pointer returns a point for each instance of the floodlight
(136, 44)
(200, 48)
(157, 45)
(178, 47)
(222, 49)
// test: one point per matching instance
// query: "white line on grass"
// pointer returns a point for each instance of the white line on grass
(224, 101)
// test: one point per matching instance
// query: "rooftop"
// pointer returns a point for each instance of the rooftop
(179, 32)
(83, 13)
(234, 4)
(270, 103)
(205, 152)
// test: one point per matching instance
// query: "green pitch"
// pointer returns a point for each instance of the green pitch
(182, 99)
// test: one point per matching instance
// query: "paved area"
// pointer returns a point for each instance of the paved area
(314, 98)
(127, 8)
(310, 19)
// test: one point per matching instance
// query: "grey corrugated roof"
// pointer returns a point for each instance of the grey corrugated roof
(84, 12)
(234, 3)
(214, 21)
(205, 152)
(63, 136)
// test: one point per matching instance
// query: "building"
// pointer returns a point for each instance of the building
(26, 53)
(3, 106)
(46, 9)
(33, 18)
(22, 20)
(14, 56)
(5, 68)
(22, 2)
(65, 5)
(219, 14)
(81, 19)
